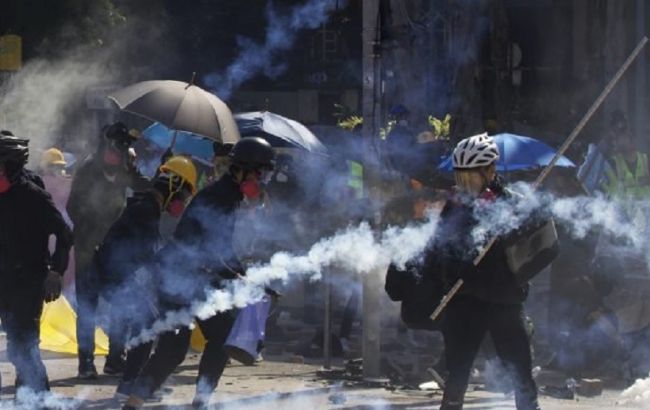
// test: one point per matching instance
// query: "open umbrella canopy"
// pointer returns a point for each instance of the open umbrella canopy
(186, 143)
(517, 153)
(180, 106)
(279, 131)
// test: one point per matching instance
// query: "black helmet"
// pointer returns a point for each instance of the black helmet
(13, 150)
(119, 133)
(252, 153)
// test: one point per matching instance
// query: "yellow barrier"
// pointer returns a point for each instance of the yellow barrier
(59, 329)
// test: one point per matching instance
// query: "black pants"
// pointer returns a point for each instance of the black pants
(137, 356)
(20, 312)
(467, 321)
(170, 353)
(88, 291)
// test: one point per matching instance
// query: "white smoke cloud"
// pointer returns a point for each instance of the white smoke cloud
(281, 33)
(638, 393)
(357, 250)
(579, 216)
(26, 399)
(37, 101)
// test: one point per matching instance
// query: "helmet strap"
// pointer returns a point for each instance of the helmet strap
(172, 190)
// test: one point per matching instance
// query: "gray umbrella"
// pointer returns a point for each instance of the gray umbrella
(180, 106)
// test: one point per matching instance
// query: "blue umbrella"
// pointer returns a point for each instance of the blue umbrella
(186, 142)
(518, 153)
(279, 131)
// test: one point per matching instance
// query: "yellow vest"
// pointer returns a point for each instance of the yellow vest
(625, 184)
(355, 178)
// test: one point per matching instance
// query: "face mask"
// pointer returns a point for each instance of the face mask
(4, 184)
(250, 188)
(487, 196)
(112, 157)
(176, 208)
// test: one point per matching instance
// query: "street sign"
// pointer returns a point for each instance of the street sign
(11, 55)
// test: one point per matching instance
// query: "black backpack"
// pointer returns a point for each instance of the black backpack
(419, 291)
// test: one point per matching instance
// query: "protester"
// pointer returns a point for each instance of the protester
(130, 244)
(57, 183)
(491, 300)
(29, 274)
(628, 181)
(401, 142)
(97, 198)
(203, 247)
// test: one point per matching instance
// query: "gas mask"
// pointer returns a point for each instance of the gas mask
(177, 198)
(113, 157)
(176, 207)
(5, 184)
(252, 186)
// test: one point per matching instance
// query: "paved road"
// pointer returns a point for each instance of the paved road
(271, 385)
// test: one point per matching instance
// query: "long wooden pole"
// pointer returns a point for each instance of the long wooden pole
(542, 176)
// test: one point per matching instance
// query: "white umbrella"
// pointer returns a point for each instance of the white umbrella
(180, 106)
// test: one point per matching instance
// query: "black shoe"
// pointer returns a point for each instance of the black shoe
(87, 370)
(114, 366)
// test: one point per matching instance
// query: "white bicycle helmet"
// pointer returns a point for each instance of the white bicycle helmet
(476, 151)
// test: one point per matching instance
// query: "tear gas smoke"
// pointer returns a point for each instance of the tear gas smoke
(37, 101)
(638, 393)
(356, 250)
(578, 215)
(359, 250)
(307, 401)
(281, 33)
(26, 398)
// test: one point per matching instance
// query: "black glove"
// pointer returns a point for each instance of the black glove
(52, 286)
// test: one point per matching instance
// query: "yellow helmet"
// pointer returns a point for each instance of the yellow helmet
(184, 168)
(52, 156)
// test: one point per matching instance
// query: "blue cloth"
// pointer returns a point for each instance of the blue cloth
(519, 153)
(186, 142)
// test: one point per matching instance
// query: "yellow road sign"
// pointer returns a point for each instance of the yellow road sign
(11, 55)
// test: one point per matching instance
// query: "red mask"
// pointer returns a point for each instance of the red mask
(250, 188)
(4, 184)
(176, 208)
(112, 157)
(488, 196)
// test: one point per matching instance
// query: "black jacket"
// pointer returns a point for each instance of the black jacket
(95, 202)
(201, 251)
(131, 241)
(490, 281)
(27, 219)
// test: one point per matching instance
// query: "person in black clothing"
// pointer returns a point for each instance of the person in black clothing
(401, 142)
(97, 197)
(130, 244)
(201, 257)
(29, 274)
(491, 299)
